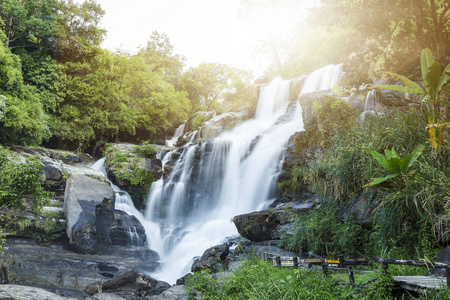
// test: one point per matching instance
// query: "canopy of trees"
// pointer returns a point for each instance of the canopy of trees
(369, 35)
(57, 85)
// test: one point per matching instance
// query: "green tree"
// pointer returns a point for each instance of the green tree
(28, 23)
(388, 34)
(209, 84)
(78, 34)
(23, 121)
(435, 81)
(159, 56)
(30, 28)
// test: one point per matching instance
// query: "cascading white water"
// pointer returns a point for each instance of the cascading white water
(191, 210)
(178, 132)
(211, 183)
(124, 203)
(372, 104)
(322, 79)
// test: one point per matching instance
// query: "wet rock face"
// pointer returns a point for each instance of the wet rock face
(126, 230)
(61, 269)
(89, 211)
(214, 259)
(212, 128)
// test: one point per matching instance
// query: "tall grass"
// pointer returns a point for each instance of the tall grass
(414, 212)
(258, 279)
(345, 167)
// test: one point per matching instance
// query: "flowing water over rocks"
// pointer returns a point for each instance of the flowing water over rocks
(208, 184)
(203, 186)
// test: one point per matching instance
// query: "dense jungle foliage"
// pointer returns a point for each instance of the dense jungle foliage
(58, 86)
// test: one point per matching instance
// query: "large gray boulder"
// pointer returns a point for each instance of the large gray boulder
(135, 284)
(89, 211)
(218, 124)
(214, 259)
(21, 292)
(65, 270)
(266, 224)
(176, 292)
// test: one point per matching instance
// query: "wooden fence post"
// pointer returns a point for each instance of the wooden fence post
(351, 277)
(447, 275)
(341, 261)
(384, 267)
(278, 262)
(325, 269)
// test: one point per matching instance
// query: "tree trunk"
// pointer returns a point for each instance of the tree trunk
(9, 30)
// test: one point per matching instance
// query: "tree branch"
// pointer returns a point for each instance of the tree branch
(444, 11)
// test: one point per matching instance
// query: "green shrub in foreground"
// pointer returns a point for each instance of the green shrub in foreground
(258, 279)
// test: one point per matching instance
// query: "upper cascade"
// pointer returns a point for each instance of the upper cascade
(322, 79)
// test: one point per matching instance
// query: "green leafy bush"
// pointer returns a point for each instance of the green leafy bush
(126, 167)
(323, 233)
(46, 228)
(145, 150)
(333, 115)
(393, 163)
(20, 179)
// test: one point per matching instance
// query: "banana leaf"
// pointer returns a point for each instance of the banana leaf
(426, 60)
(378, 180)
(433, 79)
(416, 87)
(444, 78)
(379, 158)
(407, 161)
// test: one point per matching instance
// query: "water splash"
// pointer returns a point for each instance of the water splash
(373, 105)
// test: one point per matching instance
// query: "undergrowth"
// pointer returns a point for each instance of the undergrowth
(258, 279)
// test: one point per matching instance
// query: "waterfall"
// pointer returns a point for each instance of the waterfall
(322, 79)
(178, 132)
(372, 104)
(191, 208)
(124, 203)
(212, 182)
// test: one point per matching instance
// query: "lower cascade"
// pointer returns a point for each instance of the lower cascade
(191, 207)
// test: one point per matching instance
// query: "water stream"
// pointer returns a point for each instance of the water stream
(191, 209)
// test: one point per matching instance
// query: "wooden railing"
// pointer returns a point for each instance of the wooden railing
(385, 262)
(339, 263)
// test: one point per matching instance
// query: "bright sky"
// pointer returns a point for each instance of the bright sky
(200, 30)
